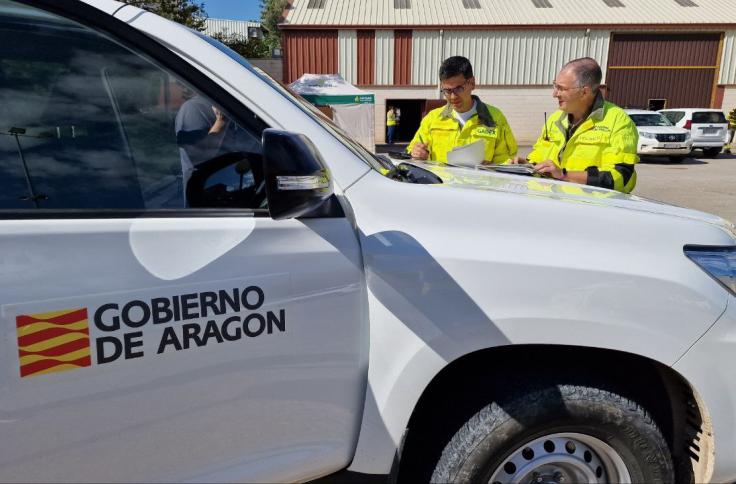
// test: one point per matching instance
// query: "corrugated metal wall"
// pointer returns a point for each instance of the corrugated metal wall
(728, 64)
(664, 50)
(384, 73)
(681, 88)
(347, 51)
(529, 57)
(426, 57)
(366, 56)
(312, 51)
(681, 68)
(402, 57)
(599, 43)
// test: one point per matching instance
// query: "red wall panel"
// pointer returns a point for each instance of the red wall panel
(366, 56)
(402, 57)
(664, 50)
(309, 51)
(680, 87)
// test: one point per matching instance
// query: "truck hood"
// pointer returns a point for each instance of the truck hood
(526, 186)
(662, 129)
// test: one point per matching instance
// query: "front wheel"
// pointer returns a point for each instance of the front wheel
(558, 434)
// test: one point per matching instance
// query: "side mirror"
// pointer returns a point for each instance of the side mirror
(297, 180)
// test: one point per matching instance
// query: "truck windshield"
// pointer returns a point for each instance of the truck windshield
(650, 120)
(375, 162)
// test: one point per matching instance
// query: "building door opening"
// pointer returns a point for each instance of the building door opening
(656, 104)
(410, 115)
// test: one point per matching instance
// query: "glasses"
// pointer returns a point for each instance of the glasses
(558, 88)
(449, 91)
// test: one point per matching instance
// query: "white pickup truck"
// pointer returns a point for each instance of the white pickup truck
(204, 280)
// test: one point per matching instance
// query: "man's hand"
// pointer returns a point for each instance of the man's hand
(517, 160)
(548, 168)
(219, 123)
(420, 151)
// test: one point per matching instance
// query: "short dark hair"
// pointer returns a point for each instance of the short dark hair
(586, 71)
(453, 66)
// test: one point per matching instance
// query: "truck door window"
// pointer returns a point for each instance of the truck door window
(87, 123)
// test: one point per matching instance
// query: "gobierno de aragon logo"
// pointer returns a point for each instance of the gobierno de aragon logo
(60, 340)
(53, 341)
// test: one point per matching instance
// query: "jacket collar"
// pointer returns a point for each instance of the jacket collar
(597, 114)
(484, 115)
(599, 108)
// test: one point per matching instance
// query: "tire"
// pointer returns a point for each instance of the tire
(711, 152)
(623, 442)
(676, 159)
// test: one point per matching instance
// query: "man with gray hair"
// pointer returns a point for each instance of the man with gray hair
(589, 140)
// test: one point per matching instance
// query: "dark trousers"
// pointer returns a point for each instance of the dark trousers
(390, 134)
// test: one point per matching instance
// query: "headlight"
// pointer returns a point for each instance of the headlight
(644, 134)
(717, 262)
(687, 136)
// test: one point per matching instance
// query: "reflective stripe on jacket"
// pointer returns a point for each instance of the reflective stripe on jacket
(604, 145)
(443, 132)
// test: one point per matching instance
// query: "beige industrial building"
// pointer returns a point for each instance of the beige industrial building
(654, 53)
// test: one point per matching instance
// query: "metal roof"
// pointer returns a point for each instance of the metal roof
(547, 13)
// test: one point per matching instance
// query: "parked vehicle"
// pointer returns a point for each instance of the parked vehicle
(659, 137)
(708, 127)
(203, 279)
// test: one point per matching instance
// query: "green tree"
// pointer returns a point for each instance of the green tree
(250, 49)
(187, 12)
(271, 14)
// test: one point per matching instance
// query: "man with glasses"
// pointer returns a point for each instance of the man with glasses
(588, 141)
(464, 120)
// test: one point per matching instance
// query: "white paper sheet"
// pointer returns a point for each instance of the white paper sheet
(468, 155)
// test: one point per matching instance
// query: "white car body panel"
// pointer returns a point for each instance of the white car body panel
(276, 406)
(418, 276)
(709, 367)
(649, 146)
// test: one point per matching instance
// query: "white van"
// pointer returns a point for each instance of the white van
(204, 280)
(708, 127)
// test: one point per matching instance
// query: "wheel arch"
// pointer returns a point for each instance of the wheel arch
(453, 395)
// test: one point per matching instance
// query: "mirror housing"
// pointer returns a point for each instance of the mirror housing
(297, 180)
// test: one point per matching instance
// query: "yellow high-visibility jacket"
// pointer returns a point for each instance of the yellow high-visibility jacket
(443, 132)
(390, 118)
(604, 145)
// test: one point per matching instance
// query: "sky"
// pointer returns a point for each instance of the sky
(233, 9)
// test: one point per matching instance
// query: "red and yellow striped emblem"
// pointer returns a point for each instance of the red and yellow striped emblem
(51, 342)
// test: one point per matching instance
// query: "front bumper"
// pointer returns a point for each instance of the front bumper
(660, 148)
(708, 144)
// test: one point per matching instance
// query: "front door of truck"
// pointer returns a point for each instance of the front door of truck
(144, 339)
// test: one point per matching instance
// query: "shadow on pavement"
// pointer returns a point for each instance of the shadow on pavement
(664, 160)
